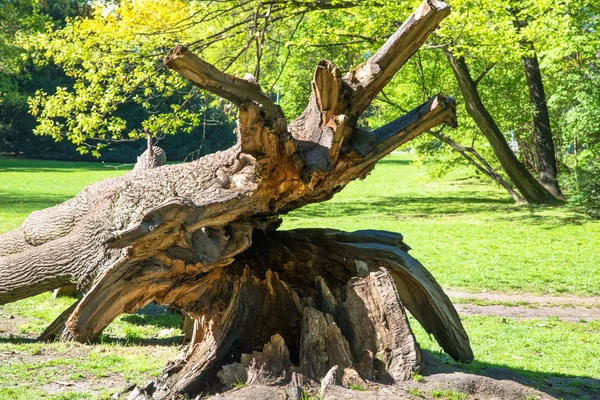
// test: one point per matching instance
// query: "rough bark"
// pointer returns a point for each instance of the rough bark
(201, 237)
(531, 190)
(542, 133)
(374, 319)
(331, 272)
(546, 155)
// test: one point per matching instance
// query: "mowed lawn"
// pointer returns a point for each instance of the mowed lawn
(469, 234)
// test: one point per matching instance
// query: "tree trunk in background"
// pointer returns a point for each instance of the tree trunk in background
(542, 133)
(531, 190)
(546, 155)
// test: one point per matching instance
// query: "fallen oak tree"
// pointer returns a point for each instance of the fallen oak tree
(202, 236)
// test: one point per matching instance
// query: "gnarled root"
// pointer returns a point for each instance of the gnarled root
(333, 299)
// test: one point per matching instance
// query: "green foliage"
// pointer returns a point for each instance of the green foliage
(18, 77)
(115, 57)
(360, 388)
(584, 183)
(110, 69)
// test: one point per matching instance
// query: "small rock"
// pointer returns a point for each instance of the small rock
(294, 393)
(351, 378)
(332, 378)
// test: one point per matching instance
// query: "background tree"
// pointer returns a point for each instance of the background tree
(117, 51)
(19, 78)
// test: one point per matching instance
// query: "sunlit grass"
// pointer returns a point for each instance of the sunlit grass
(469, 234)
(535, 348)
(29, 185)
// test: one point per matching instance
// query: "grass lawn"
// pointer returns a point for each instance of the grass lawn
(469, 234)
(29, 185)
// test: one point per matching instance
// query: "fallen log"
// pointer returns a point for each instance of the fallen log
(202, 236)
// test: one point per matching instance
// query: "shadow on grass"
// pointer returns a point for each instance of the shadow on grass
(155, 315)
(567, 387)
(142, 341)
(406, 207)
(108, 339)
(29, 201)
(395, 161)
(12, 339)
(33, 166)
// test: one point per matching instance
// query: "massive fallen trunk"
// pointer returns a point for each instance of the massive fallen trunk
(201, 236)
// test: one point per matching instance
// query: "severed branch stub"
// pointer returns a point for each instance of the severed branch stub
(202, 237)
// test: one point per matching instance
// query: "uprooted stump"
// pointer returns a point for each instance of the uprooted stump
(202, 237)
(330, 295)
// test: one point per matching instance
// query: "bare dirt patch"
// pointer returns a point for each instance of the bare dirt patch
(529, 298)
(439, 381)
(525, 306)
(112, 383)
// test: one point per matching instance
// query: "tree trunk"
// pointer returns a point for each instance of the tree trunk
(542, 133)
(541, 127)
(525, 183)
(201, 237)
(349, 291)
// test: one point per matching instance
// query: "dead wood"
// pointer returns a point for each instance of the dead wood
(201, 236)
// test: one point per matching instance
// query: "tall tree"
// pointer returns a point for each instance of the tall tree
(542, 133)
(546, 155)
(527, 185)
(472, 42)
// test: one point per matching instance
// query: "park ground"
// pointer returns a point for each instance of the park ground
(524, 279)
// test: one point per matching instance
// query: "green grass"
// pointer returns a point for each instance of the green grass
(134, 348)
(468, 234)
(25, 377)
(152, 323)
(533, 348)
(29, 185)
